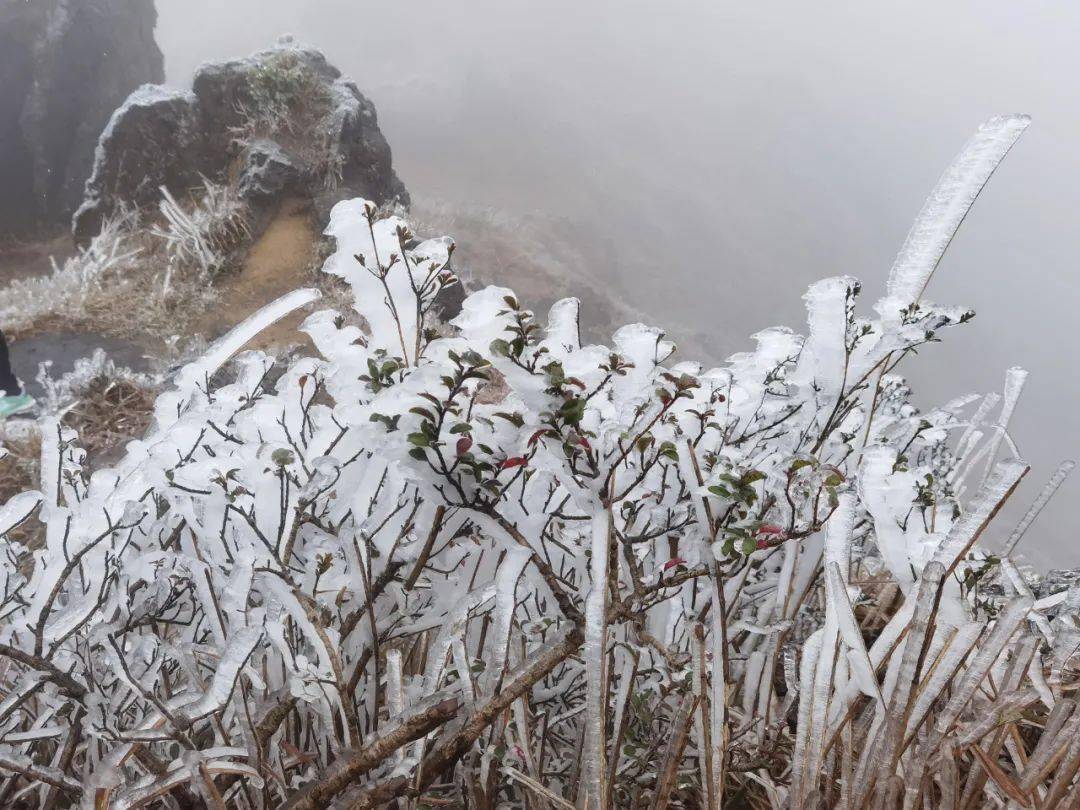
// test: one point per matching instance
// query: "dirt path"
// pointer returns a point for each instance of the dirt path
(277, 263)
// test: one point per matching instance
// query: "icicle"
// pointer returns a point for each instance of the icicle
(1014, 384)
(969, 437)
(799, 761)
(50, 460)
(1062, 725)
(838, 534)
(461, 664)
(18, 509)
(948, 204)
(1022, 588)
(963, 639)
(824, 355)
(233, 657)
(1038, 680)
(595, 653)
(988, 653)
(627, 673)
(920, 631)
(858, 656)
(1045, 495)
(886, 497)
(196, 373)
(395, 695)
(505, 602)
(963, 533)
(755, 664)
(823, 688)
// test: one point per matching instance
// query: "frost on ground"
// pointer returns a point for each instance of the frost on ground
(492, 566)
(139, 276)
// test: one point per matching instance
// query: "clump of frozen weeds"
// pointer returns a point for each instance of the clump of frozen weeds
(496, 566)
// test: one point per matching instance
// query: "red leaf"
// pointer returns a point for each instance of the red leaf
(510, 463)
(762, 544)
(585, 443)
(673, 562)
(303, 381)
(463, 445)
(770, 529)
(536, 436)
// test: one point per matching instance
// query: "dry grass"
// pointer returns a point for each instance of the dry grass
(144, 277)
(108, 414)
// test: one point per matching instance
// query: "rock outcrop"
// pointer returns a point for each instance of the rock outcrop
(282, 122)
(65, 65)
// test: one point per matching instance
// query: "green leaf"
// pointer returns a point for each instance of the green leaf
(419, 439)
(283, 457)
(573, 411)
(514, 419)
(418, 454)
(461, 427)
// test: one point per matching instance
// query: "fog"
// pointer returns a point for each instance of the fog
(724, 155)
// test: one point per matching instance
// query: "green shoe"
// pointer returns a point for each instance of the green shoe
(9, 406)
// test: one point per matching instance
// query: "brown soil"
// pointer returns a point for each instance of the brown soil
(278, 262)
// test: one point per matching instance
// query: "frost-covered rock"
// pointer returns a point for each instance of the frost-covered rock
(64, 67)
(285, 115)
(148, 143)
(268, 172)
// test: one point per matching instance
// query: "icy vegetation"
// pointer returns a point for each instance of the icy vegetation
(69, 287)
(140, 273)
(486, 565)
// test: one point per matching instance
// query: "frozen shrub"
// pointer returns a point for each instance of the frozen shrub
(500, 567)
(201, 236)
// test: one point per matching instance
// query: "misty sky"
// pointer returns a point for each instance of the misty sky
(725, 155)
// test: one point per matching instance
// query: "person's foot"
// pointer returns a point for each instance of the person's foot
(9, 406)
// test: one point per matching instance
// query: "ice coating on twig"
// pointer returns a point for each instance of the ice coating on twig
(436, 541)
(948, 204)
(1047, 492)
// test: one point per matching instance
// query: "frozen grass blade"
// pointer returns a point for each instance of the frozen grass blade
(1047, 492)
(948, 205)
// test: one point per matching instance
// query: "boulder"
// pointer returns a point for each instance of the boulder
(65, 65)
(269, 172)
(282, 122)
